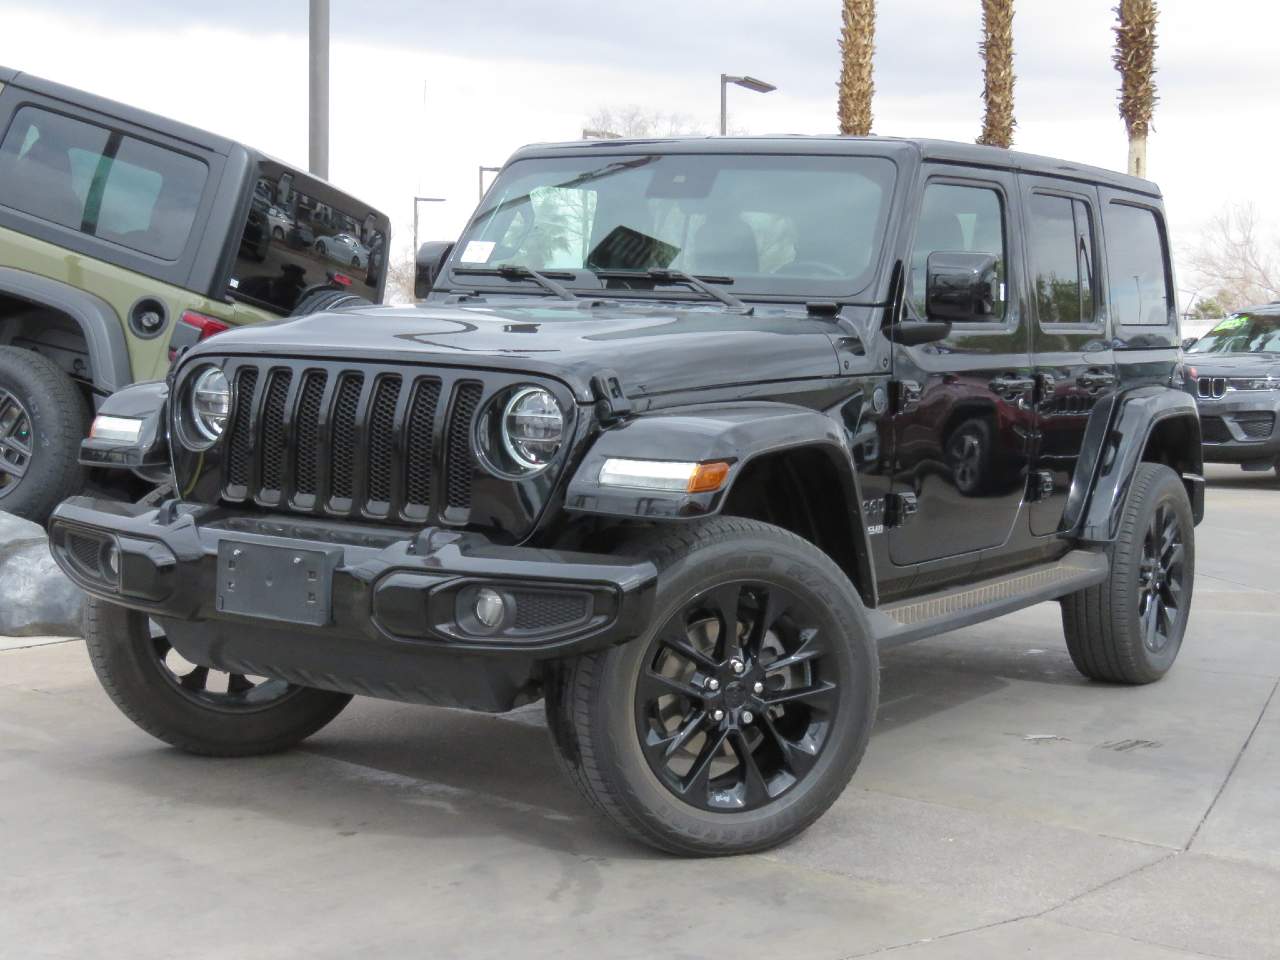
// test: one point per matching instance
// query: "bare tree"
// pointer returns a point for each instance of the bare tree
(1237, 260)
(857, 49)
(400, 276)
(1135, 58)
(996, 51)
(634, 122)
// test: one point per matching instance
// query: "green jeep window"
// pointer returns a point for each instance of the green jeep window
(100, 182)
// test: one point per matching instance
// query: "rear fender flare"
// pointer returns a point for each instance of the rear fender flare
(1119, 434)
(101, 326)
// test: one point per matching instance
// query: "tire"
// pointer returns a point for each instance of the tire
(321, 248)
(326, 298)
(598, 714)
(1107, 635)
(132, 664)
(35, 392)
(278, 234)
(355, 263)
(969, 454)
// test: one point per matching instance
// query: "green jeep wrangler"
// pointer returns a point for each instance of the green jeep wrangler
(126, 238)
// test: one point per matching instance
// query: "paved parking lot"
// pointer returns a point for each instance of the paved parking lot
(1006, 807)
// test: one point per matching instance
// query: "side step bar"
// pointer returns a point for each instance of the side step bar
(956, 607)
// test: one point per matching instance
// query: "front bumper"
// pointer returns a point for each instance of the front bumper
(352, 608)
(1242, 427)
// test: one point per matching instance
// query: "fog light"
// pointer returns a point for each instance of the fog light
(111, 560)
(490, 607)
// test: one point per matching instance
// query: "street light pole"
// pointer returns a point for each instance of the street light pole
(318, 147)
(750, 83)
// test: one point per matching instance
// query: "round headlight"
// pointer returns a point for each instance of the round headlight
(532, 428)
(210, 403)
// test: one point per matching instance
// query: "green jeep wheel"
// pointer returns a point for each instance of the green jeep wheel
(43, 418)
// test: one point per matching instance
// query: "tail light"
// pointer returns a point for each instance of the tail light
(193, 328)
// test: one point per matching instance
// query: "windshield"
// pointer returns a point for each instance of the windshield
(774, 225)
(1241, 333)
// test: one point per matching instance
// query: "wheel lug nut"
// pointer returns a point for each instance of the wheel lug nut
(738, 666)
(758, 687)
(747, 716)
(713, 684)
(717, 715)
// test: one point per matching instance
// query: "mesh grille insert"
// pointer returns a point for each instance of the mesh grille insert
(382, 422)
(306, 431)
(343, 448)
(420, 444)
(241, 452)
(461, 462)
(273, 437)
(545, 611)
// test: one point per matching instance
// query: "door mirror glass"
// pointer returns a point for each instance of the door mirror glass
(962, 287)
(1189, 342)
(428, 264)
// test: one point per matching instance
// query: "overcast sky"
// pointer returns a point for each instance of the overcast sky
(424, 92)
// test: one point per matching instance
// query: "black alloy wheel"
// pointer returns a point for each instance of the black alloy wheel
(735, 700)
(15, 442)
(216, 689)
(1161, 579)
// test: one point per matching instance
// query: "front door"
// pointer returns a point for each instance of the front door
(1074, 364)
(963, 406)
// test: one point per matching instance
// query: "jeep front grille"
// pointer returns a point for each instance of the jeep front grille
(378, 442)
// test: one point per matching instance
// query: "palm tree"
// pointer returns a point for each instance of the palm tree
(1135, 58)
(997, 72)
(857, 45)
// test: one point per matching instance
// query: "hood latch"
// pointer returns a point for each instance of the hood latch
(612, 404)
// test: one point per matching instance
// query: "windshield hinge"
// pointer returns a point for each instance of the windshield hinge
(612, 404)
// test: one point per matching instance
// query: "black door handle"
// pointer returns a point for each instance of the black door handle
(1012, 383)
(1096, 379)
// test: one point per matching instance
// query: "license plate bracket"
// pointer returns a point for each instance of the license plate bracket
(276, 582)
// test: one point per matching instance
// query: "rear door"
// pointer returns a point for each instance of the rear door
(1074, 362)
(963, 415)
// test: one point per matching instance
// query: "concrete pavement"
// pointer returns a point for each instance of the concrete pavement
(1006, 807)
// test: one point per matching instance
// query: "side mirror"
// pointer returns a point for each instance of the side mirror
(1189, 342)
(961, 287)
(428, 263)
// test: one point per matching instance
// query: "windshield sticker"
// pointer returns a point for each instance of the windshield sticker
(478, 251)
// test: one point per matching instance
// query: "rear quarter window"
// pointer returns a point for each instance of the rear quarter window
(1137, 267)
(100, 182)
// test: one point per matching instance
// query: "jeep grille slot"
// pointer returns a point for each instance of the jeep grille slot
(273, 434)
(466, 398)
(241, 452)
(420, 448)
(379, 442)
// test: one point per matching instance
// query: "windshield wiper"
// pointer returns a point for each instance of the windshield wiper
(547, 281)
(663, 275)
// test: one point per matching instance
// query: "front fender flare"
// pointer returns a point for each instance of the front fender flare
(737, 433)
(1099, 489)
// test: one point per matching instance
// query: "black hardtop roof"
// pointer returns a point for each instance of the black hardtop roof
(942, 151)
(323, 190)
(1271, 309)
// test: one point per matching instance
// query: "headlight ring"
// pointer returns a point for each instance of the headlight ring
(208, 405)
(521, 431)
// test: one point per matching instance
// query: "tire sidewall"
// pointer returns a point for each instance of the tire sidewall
(1164, 488)
(54, 469)
(756, 559)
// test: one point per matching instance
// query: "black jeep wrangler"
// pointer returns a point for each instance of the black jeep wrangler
(682, 433)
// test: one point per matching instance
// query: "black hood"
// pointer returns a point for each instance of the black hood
(1234, 364)
(656, 349)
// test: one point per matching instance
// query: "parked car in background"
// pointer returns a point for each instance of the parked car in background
(343, 248)
(1233, 371)
(125, 238)
(681, 434)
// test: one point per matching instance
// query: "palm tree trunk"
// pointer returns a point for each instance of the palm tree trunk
(1135, 58)
(857, 46)
(997, 72)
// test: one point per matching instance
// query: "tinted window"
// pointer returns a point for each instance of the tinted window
(1139, 285)
(293, 241)
(773, 224)
(957, 219)
(100, 182)
(1061, 244)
